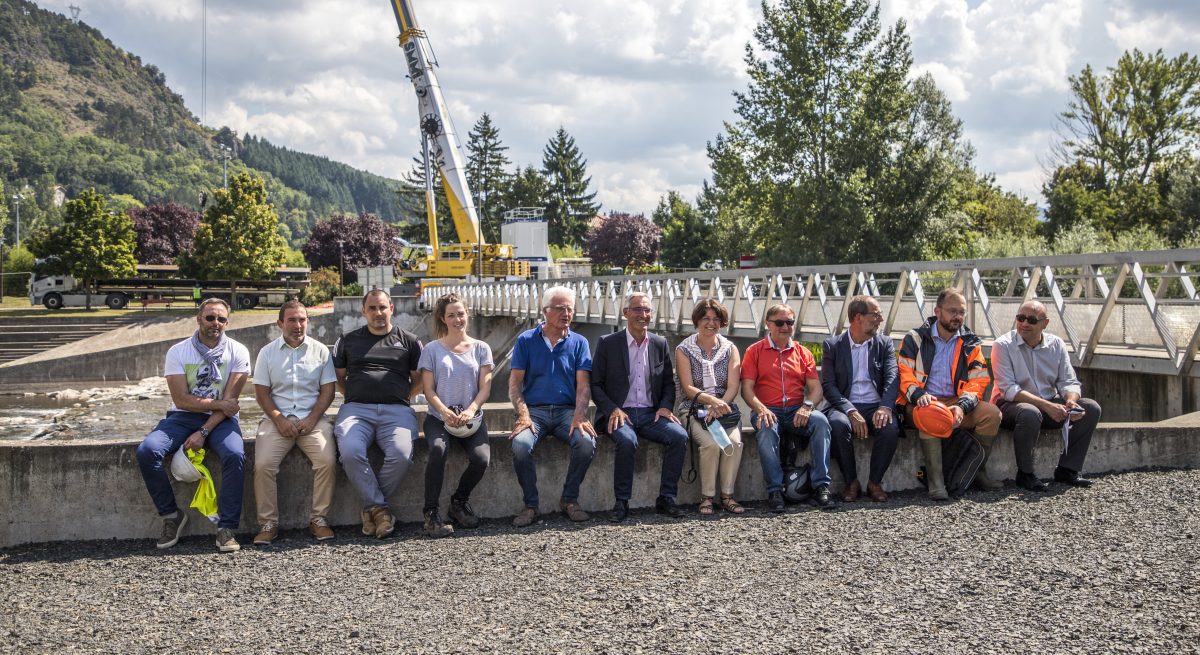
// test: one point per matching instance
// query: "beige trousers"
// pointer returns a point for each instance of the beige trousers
(712, 460)
(983, 421)
(269, 450)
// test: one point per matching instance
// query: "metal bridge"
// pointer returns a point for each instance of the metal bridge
(1133, 311)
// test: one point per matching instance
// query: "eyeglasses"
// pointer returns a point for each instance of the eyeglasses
(562, 309)
(639, 310)
(219, 319)
(782, 322)
(875, 314)
(1032, 320)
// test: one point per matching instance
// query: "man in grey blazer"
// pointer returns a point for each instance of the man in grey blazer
(860, 379)
(633, 386)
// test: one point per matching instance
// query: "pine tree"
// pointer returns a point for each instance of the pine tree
(413, 194)
(487, 174)
(569, 203)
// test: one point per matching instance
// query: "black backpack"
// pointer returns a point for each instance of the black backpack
(962, 455)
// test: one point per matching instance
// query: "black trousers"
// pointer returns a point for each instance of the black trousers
(842, 442)
(1027, 421)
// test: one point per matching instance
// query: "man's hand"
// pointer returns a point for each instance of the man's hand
(228, 406)
(522, 423)
(195, 441)
(615, 420)
(285, 427)
(800, 418)
(766, 418)
(303, 425)
(958, 415)
(584, 425)
(858, 425)
(925, 399)
(1056, 412)
(882, 417)
(1078, 412)
(663, 412)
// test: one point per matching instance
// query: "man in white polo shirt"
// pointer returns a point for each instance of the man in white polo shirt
(294, 384)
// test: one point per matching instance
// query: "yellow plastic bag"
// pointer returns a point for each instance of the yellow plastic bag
(205, 500)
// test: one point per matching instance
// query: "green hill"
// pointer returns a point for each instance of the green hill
(77, 112)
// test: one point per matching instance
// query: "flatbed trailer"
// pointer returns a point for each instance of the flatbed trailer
(58, 291)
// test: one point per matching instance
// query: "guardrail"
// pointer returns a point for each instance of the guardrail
(1117, 311)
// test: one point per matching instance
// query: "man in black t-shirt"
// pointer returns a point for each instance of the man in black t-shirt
(375, 366)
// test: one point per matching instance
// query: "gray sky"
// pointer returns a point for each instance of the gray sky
(642, 85)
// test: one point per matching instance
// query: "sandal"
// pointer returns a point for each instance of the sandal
(730, 505)
(706, 505)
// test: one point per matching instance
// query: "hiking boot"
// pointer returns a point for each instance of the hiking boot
(319, 529)
(462, 514)
(434, 526)
(171, 530)
(266, 534)
(368, 528)
(775, 502)
(573, 511)
(526, 518)
(384, 521)
(226, 542)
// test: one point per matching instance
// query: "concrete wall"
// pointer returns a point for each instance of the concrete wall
(89, 490)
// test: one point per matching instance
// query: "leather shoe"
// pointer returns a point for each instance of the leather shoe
(851, 492)
(1067, 476)
(1030, 482)
(876, 492)
(667, 506)
(823, 499)
(620, 511)
(775, 502)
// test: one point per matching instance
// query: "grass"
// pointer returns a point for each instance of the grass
(18, 306)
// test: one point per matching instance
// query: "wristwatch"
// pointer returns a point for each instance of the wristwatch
(808, 404)
(204, 432)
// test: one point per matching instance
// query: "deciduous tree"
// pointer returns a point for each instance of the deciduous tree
(164, 231)
(687, 237)
(366, 241)
(237, 238)
(624, 240)
(96, 243)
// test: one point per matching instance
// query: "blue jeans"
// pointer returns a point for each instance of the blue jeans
(392, 427)
(664, 431)
(225, 440)
(817, 433)
(556, 420)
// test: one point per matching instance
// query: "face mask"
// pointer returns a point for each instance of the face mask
(720, 437)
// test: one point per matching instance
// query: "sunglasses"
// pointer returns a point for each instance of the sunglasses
(783, 322)
(1032, 320)
(219, 319)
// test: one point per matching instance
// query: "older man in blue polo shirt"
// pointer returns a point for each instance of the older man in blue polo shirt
(550, 390)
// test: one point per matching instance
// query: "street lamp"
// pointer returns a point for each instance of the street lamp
(341, 263)
(17, 198)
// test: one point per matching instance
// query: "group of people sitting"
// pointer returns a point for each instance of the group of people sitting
(642, 389)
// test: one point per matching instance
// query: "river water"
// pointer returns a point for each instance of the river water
(104, 413)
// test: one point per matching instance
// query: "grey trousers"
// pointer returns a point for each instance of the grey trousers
(393, 428)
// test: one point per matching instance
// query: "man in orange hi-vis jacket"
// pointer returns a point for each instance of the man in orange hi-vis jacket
(943, 360)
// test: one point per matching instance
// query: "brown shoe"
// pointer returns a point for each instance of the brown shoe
(525, 518)
(384, 521)
(266, 534)
(876, 492)
(573, 511)
(319, 529)
(851, 492)
(368, 524)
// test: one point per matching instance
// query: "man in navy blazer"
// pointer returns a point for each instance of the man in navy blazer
(633, 386)
(860, 379)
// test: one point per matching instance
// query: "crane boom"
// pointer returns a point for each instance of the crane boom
(445, 152)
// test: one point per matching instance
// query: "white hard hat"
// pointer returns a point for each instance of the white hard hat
(467, 429)
(182, 468)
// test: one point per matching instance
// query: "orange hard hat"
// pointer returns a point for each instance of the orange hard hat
(934, 419)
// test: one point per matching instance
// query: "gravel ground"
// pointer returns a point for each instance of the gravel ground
(1110, 569)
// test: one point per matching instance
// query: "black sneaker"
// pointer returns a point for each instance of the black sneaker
(171, 530)
(823, 499)
(462, 514)
(434, 526)
(775, 502)
(1030, 482)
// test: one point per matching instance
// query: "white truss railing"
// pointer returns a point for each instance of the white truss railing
(1117, 311)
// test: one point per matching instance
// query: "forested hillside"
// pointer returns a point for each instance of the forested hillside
(78, 112)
